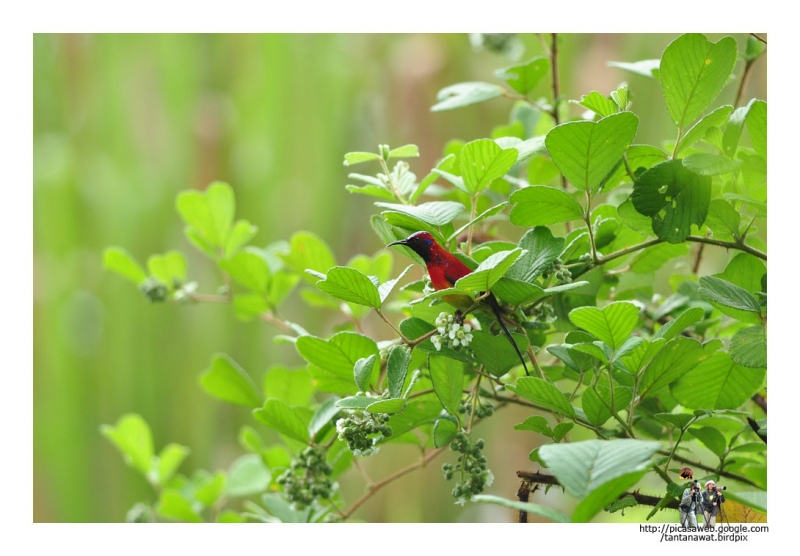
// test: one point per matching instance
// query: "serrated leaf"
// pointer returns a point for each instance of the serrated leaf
(523, 78)
(539, 205)
(394, 405)
(612, 324)
(117, 259)
(359, 157)
(396, 369)
(371, 190)
(249, 268)
(712, 439)
(242, 232)
(605, 467)
(292, 387)
(169, 460)
(749, 347)
(542, 393)
(535, 423)
(733, 131)
(348, 284)
(653, 258)
(679, 420)
(675, 359)
(723, 218)
(598, 104)
(586, 152)
(708, 164)
(338, 355)
(172, 504)
(485, 214)
(646, 68)
(597, 405)
(464, 94)
(489, 271)
(406, 151)
(247, 476)
(542, 248)
(716, 118)
(725, 293)
(757, 127)
(674, 197)
(447, 376)
(363, 372)
(678, 325)
(322, 417)
(170, 267)
(496, 353)
(308, 251)
(718, 383)
(227, 381)
(209, 214)
(212, 489)
(529, 507)
(386, 288)
(132, 437)
(444, 430)
(693, 72)
(284, 419)
(561, 430)
(483, 161)
(436, 213)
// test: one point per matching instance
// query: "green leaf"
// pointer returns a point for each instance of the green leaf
(722, 218)
(293, 387)
(523, 78)
(693, 72)
(169, 460)
(536, 509)
(212, 489)
(725, 293)
(756, 499)
(116, 259)
(406, 151)
(674, 197)
(359, 157)
(641, 355)
(249, 268)
(621, 97)
(227, 381)
(356, 402)
(757, 127)
(363, 372)
(540, 205)
(712, 439)
(132, 437)
(317, 426)
(209, 214)
(542, 393)
(717, 118)
(170, 267)
(707, 164)
(675, 359)
(393, 405)
(676, 326)
(496, 353)
(586, 152)
(679, 420)
(247, 476)
(489, 271)
(308, 251)
(464, 94)
(749, 347)
(561, 430)
(349, 284)
(485, 214)
(653, 258)
(535, 423)
(386, 288)
(585, 467)
(598, 407)
(483, 161)
(542, 249)
(284, 419)
(444, 430)
(242, 232)
(173, 505)
(371, 190)
(646, 68)
(396, 370)
(447, 376)
(718, 383)
(733, 131)
(338, 355)
(436, 213)
(598, 104)
(612, 324)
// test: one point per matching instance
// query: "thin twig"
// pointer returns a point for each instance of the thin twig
(762, 39)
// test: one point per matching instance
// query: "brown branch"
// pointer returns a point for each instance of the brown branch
(760, 401)
(762, 39)
(756, 427)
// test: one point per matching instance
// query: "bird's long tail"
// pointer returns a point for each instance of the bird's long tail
(498, 312)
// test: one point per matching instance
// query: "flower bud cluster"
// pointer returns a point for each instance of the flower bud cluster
(471, 466)
(557, 270)
(308, 478)
(483, 409)
(362, 430)
(451, 334)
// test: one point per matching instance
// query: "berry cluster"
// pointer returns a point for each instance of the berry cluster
(451, 334)
(154, 289)
(471, 466)
(483, 409)
(362, 430)
(557, 270)
(308, 478)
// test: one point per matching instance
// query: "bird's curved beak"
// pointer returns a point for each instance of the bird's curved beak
(398, 242)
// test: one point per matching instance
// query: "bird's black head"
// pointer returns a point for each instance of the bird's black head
(422, 243)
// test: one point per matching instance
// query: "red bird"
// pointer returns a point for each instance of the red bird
(445, 269)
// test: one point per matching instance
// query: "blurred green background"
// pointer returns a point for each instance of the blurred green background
(124, 122)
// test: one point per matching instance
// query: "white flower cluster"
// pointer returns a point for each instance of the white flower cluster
(451, 334)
